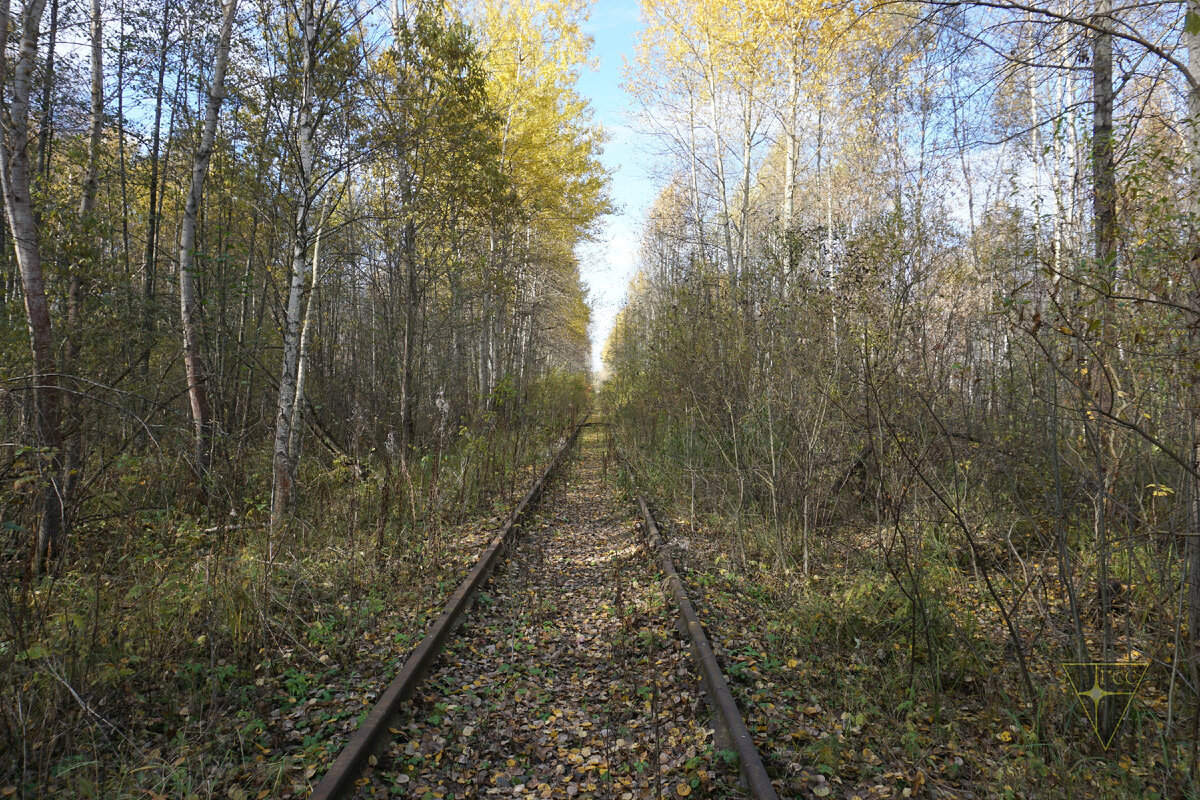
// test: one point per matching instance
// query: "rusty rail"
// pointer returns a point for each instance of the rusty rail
(754, 773)
(729, 716)
(340, 778)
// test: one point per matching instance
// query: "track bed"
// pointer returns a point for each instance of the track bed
(568, 679)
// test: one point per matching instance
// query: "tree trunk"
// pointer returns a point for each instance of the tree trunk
(408, 425)
(791, 140)
(1192, 25)
(302, 365)
(18, 205)
(694, 159)
(193, 364)
(1104, 206)
(87, 200)
(726, 221)
(282, 494)
(150, 259)
(1104, 215)
(46, 135)
(747, 175)
(121, 156)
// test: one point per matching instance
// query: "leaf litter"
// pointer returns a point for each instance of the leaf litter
(568, 678)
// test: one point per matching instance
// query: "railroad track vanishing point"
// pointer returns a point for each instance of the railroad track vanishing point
(570, 678)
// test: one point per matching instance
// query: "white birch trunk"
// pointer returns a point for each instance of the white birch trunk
(695, 178)
(1060, 205)
(1192, 23)
(719, 155)
(193, 364)
(790, 138)
(18, 206)
(283, 470)
(747, 163)
(294, 439)
(1035, 145)
(87, 201)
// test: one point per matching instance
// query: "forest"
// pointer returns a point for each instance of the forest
(916, 330)
(282, 287)
(294, 310)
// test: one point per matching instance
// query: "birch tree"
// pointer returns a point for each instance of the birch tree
(1192, 37)
(193, 361)
(307, 120)
(22, 223)
(326, 67)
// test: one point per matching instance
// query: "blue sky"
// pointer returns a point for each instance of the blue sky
(608, 264)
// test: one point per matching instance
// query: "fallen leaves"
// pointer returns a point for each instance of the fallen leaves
(570, 682)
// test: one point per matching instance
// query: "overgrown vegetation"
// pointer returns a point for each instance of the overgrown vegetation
(290, 314)
(924, 362)
(182, 658)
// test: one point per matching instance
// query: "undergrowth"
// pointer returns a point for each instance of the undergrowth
(184, 651)
(884, 673)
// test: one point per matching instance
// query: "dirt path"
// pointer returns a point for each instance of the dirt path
(568, 679)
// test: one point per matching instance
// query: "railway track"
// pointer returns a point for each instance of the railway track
(568, 679)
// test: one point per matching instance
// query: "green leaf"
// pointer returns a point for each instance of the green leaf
(37, 651)
(1191, 23)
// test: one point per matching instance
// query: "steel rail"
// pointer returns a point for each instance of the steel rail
(729, 716)
(750, 764)
(340, 778)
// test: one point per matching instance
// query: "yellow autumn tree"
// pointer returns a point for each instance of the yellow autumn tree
(765, 75)
(550, 150)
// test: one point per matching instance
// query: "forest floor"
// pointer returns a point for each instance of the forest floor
(183, 712)
(569, 678)
(844, 702)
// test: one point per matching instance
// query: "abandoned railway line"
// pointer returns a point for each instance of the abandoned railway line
(569, 663)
